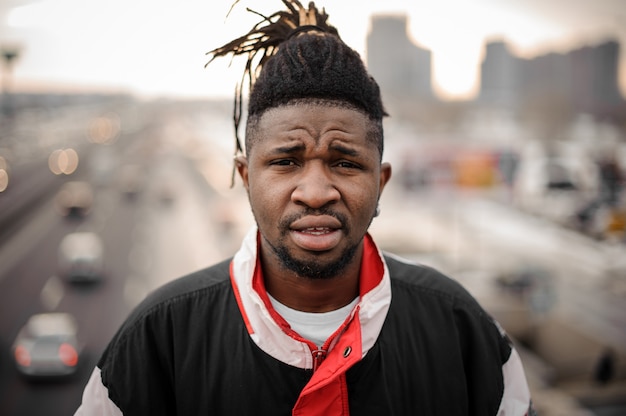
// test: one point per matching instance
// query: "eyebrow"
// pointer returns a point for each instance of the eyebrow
(288, 149)
(344, 149)
(337, 147)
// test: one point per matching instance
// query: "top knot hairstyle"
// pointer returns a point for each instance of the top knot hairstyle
(295, 55)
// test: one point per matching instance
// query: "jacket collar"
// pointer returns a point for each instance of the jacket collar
(273, 335)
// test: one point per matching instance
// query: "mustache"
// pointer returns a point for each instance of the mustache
(288, 220)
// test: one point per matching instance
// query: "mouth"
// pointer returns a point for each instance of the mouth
(316, 230)
(316, 233)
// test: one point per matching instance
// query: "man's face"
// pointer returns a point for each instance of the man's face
(313, 179)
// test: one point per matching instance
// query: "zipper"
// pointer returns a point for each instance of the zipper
(318, 358)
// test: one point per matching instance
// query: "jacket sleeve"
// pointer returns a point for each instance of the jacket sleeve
(516, 400)
(96, 401)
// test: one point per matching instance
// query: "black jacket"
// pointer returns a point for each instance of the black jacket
(190, 349)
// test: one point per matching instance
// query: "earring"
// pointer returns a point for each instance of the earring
(377, 211)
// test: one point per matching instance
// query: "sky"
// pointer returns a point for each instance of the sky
(158, 48)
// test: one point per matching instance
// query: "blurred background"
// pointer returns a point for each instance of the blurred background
(507, 136)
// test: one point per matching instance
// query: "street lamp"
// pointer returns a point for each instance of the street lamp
(9, 56)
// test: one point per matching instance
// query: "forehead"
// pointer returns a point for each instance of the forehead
(313, 122)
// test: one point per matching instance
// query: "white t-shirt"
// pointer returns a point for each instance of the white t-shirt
(314, 326)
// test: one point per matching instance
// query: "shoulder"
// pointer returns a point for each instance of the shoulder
(181, 291)
(413, 277)
(203, 280)
(175, 307)
(146, 348)
(177, 301)
(419, 290)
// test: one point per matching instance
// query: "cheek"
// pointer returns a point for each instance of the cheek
(362, 198)
(362, 207)
(264, 202)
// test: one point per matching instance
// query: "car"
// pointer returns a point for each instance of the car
(47, 346)
(75, 199)
(81, 257)
(554, 187)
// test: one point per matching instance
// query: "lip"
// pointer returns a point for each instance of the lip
(316, 233)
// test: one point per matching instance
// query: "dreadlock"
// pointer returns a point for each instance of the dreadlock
(296, 56)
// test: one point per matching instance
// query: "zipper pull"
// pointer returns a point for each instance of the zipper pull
(318, 357)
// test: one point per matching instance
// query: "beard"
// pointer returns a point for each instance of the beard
(314, 269)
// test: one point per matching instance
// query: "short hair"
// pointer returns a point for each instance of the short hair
(302, 59)
(310, 65)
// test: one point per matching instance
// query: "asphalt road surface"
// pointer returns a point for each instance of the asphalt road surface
(166, 223)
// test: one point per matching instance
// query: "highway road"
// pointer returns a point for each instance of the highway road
(161, 228)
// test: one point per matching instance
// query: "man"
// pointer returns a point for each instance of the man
(309, 317)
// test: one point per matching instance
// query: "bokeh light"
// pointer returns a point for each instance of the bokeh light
(63, 161)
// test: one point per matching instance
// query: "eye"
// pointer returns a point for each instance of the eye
(347, 165)
(282, 162)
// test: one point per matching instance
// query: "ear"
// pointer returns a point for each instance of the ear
(241, 163)
(385, 175)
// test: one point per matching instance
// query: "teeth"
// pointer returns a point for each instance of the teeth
(317, 230)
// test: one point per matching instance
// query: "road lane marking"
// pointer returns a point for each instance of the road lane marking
(52, 293)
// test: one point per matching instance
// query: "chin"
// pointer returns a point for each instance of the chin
(315, 267)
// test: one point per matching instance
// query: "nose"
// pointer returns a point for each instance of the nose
(315, 187)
